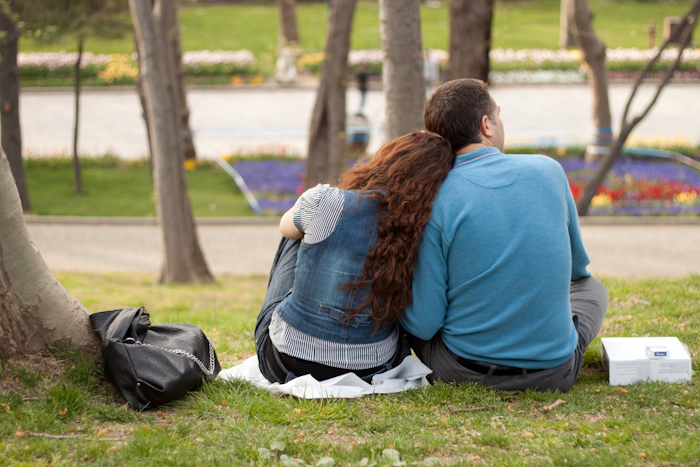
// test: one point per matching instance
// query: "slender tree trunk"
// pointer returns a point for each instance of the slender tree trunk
(327, 144)
(470, 39)
(36, 312)
(142, 100)
(566, 37)
(593, 54)
(402, 70)
(10, 133)
(76, 161)
(288, 35)
(682, 36)
(183, 258)
(170, 21)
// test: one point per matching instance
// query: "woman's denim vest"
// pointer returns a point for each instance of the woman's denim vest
(317, 304)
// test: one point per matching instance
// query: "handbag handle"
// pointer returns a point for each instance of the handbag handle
(212, 359)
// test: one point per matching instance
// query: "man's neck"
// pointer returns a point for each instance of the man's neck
(473, 147)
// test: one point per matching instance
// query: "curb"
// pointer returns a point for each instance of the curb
(194, 87)
(639, 220)
(313, 84)
(273, 220)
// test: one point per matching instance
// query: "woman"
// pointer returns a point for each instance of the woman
(342, 274)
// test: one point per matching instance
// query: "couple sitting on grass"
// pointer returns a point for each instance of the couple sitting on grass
(443, 244)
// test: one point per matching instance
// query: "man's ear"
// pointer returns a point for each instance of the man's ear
(486, 126)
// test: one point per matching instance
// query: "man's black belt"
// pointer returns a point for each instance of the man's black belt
(484, 368)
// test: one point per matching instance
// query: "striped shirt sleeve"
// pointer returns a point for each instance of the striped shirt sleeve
(318, 211)
(289, 340)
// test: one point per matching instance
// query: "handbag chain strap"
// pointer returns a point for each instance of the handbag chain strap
(207, 371)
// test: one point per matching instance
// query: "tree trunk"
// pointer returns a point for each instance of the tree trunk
(142, 100)
(470, 39)
(593, 55)
(76, 161)
(10, 133)
(183, 258)
(682, 36)
(327, 144)
(402, 70)
(36, 312)
(566, 36)
(170, 21)
(288, 29)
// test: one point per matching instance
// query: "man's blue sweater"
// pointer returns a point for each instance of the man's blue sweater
(496, 261)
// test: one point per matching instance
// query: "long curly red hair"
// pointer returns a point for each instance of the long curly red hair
(404, 176)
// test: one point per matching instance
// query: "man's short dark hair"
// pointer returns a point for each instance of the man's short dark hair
(455, 109)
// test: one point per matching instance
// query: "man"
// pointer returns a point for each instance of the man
(501, 293)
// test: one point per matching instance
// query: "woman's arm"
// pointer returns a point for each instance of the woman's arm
(287, 227)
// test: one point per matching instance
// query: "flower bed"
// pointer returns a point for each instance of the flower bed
(635, 186)
(639, 186)
(56, 68)
(621, 62)
(276, 183)
(239, 67)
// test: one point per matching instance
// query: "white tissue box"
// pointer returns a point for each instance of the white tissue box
(627, 360)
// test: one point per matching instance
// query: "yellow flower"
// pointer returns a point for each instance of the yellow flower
(119, 67)
(310, 59)
(601, 200)
(686, 197)
(190, 164)
(658, 141)
(236, 80)
(257, 79)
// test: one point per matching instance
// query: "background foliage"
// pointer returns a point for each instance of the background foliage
(253, 26)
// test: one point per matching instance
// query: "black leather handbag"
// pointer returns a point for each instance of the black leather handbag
(153, 364)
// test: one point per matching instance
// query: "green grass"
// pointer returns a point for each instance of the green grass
(517, 25)
(118, 188)
(227, 423)
(114, 188)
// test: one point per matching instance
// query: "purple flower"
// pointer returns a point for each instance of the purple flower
(276, 183)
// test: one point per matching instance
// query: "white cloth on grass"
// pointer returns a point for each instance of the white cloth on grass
(410, 374)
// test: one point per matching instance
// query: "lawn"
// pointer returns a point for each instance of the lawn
(115, 188)
(62, 395)
(517, 25)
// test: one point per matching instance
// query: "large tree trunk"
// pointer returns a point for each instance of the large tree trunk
(593, 54)
(183, 258)
(170, 21)
(327, 144)
(36, 312)
(10, 134)
(76, 161)
(682, 36)
(470, 39)
(402, 70)
(288, 29)
(566, 36)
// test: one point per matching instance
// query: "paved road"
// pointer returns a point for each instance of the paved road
(663, 250)
(255, 119)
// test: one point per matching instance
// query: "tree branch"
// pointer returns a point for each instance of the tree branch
(25, 434)
(472, 409)
(687, 25)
